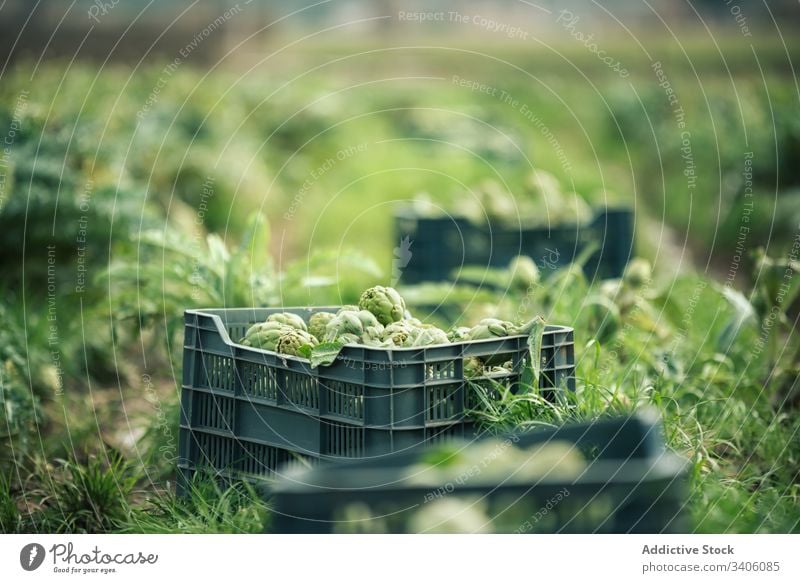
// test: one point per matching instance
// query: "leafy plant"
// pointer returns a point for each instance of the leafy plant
(174, 272)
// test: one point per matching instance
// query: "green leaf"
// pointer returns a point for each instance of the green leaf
(537, 326)
(325, 353)
(743, 313)
(591, 247)
(742, 307)
(218, 254)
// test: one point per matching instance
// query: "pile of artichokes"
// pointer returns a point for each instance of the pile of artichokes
(542, 198)
(379, 320)
(285, 333)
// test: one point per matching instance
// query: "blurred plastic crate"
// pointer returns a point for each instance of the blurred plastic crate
(247, 411)
(631, 483)
(440, 245)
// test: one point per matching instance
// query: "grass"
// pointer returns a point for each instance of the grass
(724, 411)
(207, 508)
(114, 496)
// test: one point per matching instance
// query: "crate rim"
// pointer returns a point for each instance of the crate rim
(407, 212)
(206, 312)
(666, 465)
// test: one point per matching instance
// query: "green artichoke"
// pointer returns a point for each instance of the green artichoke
(375, 342)
(370, 324)
(452, 515)
(473, 367)
(289, 319)
(348, 338)
(265, 335)
(399, 333)
(293, 340)
(489, 328)
(458, 334)
(373, 334)
(429, 335)
(604, 318)
(619, 293)
(347, 308)
(262, 327)
(423, 206)
(385, 304)
(498, 203)
(638, 273)
(317, 324)
(546, 190)
(576, 208)
(525, 329)
(524, 273)
(345, 322)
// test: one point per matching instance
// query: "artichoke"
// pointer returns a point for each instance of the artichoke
(604, 318)
(375, 342)
(399, 333)
(621, 295)
(452, 516)
(576, 209)
(293, 340)
(370, 324)
(497, 202)
(429, 335)
(491, 328)
(345, 322)
(385, 304)
(348, 338)
(473, 367)
(546, 190)
(528, 327)
(423, 206)
(262, 327)
(347, 308)
(289, 319)
(317, 324)
(266, 340)
(638, 273)
(458, 334)
(407, 334)
(373, 334)
(524, 273)
(265, 335)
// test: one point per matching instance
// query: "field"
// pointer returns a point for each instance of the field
(128, 194)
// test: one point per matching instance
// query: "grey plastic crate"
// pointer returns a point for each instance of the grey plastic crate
(249, 411)
(440, 245)
(632, 483)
